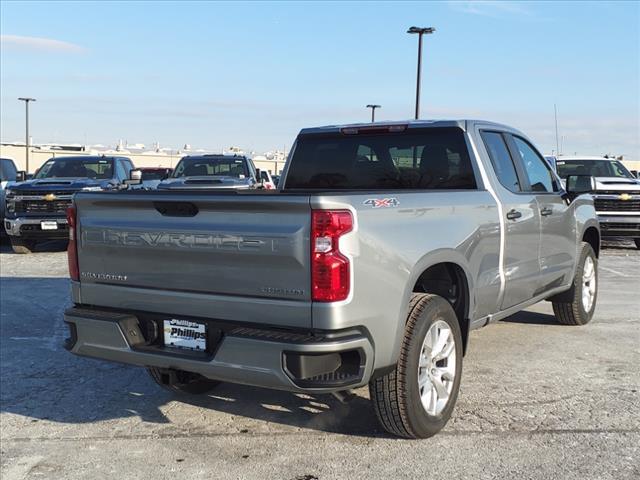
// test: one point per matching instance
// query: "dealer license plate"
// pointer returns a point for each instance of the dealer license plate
(185, 334)
(49, 225)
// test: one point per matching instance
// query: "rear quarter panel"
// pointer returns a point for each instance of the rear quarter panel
(391, 247)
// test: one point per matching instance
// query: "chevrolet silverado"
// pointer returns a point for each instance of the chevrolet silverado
(36, 209)
(616, 197)
(383, 247)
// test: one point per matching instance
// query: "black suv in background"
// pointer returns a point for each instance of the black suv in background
(36, 209)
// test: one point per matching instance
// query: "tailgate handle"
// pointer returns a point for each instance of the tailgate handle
(176, 209)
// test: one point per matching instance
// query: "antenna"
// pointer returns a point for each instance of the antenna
(555, 110)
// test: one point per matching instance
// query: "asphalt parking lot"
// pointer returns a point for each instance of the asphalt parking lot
(538, 400)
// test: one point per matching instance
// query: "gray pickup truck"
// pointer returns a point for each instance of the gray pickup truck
(384, 246)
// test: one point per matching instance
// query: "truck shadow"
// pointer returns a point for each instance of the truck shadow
(532, 318)
(40, 380)
(46, 246)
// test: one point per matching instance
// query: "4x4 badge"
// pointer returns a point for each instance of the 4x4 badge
(382, 202)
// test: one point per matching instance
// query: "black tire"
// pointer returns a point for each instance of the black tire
(637, 241)
(179, 381)
(22, 246)
(396, 395)
(568, 307)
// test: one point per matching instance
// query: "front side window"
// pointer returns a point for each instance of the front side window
(536, 168)
(8, 171)
(120, 173)
(211, 166)
(98, 168)
(128, 166)
(501, 160)
(435, 158)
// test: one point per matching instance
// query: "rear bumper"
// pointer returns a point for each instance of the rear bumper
(29, 227)
(619, 225)
(270, 358)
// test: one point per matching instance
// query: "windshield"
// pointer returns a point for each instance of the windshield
(210, 166)
(595, 168)
(98, 168)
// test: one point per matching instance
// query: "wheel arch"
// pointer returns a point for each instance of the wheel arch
(591, 235)
(424, 278)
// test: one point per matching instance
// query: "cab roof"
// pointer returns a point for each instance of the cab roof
(464, 124)
(89, 157)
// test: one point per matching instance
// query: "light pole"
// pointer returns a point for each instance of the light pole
(26, 101)
(373, 111)
(420, 31)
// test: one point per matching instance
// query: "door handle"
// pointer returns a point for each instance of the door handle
(546, 211)
(513, 214)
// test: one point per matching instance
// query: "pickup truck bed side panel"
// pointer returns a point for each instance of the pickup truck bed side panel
(390, 256)
(231, 257)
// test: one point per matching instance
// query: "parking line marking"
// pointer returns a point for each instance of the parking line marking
(614, 271)
(22, 467)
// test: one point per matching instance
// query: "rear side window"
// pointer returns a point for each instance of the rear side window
(435, 158)
(501, 160)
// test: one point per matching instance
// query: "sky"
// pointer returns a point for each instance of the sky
(218, 74)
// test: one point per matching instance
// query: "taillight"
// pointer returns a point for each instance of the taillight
(330, 269)
(72, 249)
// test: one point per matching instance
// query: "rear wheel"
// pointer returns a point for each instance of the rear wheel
(416, 399)
(22, 246)
(179, 381)
(576, 306)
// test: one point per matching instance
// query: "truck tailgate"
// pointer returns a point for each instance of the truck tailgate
(235, 257)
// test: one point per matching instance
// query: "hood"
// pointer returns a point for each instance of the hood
(617, 184)
(207, 183)
(62, 184)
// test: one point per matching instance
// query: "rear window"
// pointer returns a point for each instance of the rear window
(434, 158)
(159, 174)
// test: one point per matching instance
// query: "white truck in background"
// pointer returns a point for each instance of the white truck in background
(617, 194)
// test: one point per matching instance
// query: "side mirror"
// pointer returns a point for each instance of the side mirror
(259, 179)
(135, 177)
(635, 173)
(579, 184)
(21, 176)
